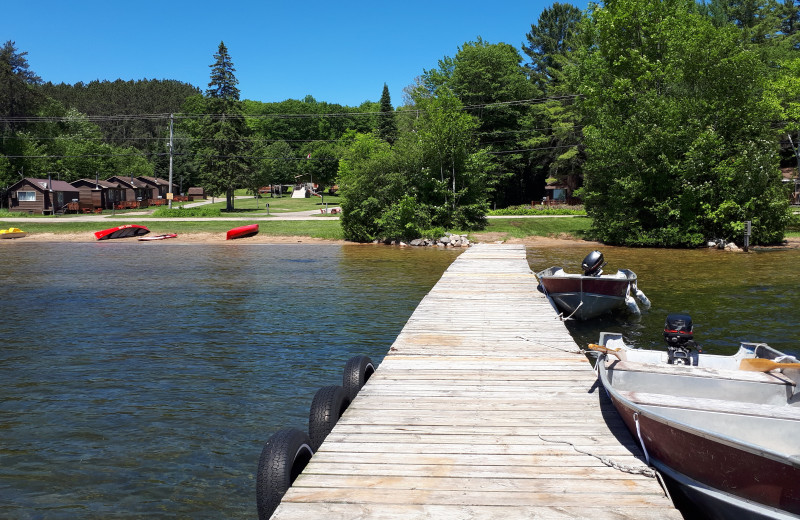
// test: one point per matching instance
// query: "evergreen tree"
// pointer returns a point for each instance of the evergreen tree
(223, 82)
(552, 46)
(550, 41)
(387, 126)
(16, 96)
(223, 132)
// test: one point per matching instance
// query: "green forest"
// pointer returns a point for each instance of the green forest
(670, 120)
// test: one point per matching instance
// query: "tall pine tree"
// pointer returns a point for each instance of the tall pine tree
(224, 131)
(387, 126)
(550, 41)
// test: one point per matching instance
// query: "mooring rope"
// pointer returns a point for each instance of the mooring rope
(562, 349)
(633, 470)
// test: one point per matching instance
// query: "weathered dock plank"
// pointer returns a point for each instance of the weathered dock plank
(483, 408)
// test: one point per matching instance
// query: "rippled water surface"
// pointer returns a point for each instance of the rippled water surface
(731, 297)
(142, 379)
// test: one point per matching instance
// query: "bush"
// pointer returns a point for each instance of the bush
(512, 211)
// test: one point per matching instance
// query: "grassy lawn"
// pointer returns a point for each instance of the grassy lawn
(279, 204)
(540, 227)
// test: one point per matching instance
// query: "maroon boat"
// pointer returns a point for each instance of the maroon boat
(128, 230)
(588, 295)
(729, 437)
(242, 231)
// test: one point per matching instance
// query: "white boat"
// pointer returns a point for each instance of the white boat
(726, 429)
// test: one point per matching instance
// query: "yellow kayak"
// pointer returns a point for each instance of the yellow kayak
(12, 233)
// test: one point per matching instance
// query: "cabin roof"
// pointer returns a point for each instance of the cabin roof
(158, 181)
(43, 185)
(93, 182)
(127, 181)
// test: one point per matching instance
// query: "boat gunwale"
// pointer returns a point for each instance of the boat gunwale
(630, 276)
(614, 394)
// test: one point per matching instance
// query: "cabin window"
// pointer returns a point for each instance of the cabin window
(26, 196)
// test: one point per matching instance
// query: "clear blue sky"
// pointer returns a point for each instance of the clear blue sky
(339, 52)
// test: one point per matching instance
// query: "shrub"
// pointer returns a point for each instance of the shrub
(201, 211)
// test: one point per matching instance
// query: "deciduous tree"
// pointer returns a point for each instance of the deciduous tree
(679, 143)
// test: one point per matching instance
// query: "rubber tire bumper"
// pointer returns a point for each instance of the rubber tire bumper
(283, 458)
(328, 405)
(357, 372)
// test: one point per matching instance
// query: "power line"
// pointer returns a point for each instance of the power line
(165, 116)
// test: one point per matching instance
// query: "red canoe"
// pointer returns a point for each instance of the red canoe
(128, 230)
(243, 231)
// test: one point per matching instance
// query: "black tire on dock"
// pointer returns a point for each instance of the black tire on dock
(283, 458)
(328, 405)
(357, 371)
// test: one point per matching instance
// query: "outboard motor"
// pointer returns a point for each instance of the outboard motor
(593, 264)
(679, 335)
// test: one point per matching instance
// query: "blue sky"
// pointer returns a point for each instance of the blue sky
(339, 52)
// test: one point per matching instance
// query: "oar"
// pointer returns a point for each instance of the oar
(764, 365)
(604, 349)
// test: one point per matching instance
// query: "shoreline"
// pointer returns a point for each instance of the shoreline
(213, 238)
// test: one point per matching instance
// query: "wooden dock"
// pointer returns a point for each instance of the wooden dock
(481, 409)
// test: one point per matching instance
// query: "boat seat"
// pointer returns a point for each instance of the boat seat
(713, 405)
(715, 373)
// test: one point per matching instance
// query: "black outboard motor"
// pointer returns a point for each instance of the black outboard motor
(679, 335)
(593, 264)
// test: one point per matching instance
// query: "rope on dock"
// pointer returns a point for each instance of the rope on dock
(633, 470)
(562, 349)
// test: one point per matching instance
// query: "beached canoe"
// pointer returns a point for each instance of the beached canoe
(242, 231)
(159, 237)
(12, 233)
(128, 230)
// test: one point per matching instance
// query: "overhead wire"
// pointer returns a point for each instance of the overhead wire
(179, 115)
(165, 117)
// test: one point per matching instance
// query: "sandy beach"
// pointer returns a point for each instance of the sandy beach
(211, 238)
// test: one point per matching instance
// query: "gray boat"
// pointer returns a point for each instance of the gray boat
(591, 294)
(726, 429)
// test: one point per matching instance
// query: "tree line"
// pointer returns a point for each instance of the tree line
(669, 118)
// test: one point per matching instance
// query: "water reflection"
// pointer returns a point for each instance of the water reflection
(143, 381)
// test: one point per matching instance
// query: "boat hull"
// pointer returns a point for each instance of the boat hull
(126, 231)
(158, 237)
(242, 232)
(586, 297)
(20, 234)
(718, 472)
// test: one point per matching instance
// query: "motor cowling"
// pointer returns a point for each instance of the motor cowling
(593, 264)
(679, 335)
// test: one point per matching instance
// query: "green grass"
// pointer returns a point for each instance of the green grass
(277, 204)
(538, 210)
(541, 227)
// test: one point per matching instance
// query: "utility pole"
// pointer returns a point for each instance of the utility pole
(171, 195)
(797, 157)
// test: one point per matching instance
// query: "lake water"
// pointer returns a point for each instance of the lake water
(142, 379)
(731, 297)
